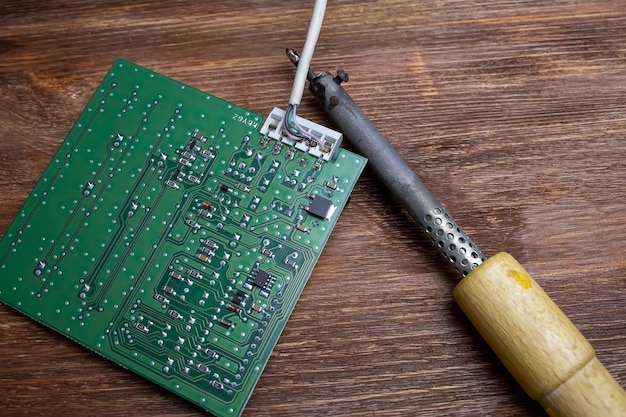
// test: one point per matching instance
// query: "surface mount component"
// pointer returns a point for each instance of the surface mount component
(166, 235)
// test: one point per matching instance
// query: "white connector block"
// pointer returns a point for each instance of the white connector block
(273, 128)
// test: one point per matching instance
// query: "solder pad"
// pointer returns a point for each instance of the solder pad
(170, 236)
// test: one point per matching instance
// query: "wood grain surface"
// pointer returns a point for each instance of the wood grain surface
(512, 111)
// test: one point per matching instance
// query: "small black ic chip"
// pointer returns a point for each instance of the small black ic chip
(261, 279)
(321, 207)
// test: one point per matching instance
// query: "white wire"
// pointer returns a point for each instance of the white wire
(307, 52)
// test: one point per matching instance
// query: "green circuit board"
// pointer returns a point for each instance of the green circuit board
(173, 233)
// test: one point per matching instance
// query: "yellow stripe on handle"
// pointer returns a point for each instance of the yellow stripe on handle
(538, 344)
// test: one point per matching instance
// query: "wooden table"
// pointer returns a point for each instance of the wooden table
(513, 112)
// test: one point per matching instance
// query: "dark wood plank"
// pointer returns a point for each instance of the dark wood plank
(513, 112)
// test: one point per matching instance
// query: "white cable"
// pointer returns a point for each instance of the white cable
(307, 52)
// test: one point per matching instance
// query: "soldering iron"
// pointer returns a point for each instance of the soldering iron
(539, 345)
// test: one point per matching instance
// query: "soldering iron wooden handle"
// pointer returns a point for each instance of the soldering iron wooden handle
(538, 344)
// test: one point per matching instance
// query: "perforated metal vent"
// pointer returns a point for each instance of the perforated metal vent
(451, 240)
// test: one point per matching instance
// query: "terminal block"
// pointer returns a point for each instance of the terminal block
(273, 128)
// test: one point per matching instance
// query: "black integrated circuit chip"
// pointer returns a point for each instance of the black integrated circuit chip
(261, 279)
(321, 207)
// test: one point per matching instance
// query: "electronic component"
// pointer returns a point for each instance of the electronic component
(302, 228)
(162, 299)
(202, 257)
(261, 279)
(321, 207)
(211, 353)
(273, 127)
(194, 274)
(211, 244)
(141, 327)
(226, 323)
(172, 184)
(176, 314)
(238, 301)
(150, 284)
(291, 263)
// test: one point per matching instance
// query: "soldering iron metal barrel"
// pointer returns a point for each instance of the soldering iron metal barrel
(401, 180)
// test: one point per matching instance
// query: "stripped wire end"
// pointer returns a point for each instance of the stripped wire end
(295, 131)
(293, 56)
(295, 59)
